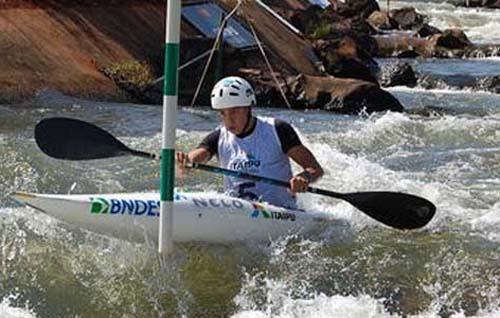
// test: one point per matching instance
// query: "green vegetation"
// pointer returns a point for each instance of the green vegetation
(138, 74)
(136, 79)
(320, 30)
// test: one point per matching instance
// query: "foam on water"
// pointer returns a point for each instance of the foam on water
(43, 255)
(322, 306)
(488, 222)
(292, 284)
(493, 58)
(480, 25)
(12, 246)
(363, 158)
(358, 270)
(363, 306)
(7, 310)
(447, 90)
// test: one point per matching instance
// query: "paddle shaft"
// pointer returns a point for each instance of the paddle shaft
(244, 175)
(143, 154)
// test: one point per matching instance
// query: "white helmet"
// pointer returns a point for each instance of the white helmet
(232, 92)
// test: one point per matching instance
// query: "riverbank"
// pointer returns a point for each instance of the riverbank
(62, 45)
(88, 48)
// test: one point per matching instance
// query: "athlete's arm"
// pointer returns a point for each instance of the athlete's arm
(293, 147)
(312, 169)
(203, 153)
(200, 155)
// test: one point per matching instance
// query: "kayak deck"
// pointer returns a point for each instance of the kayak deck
(198, 216)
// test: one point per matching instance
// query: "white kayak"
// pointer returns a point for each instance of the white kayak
(207, 217)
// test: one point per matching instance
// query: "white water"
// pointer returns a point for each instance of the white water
(451, 159)
(294, 296)
(480, 25)
(323, 306)
(7, 310)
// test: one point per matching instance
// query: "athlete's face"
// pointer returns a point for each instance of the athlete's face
(235, 119)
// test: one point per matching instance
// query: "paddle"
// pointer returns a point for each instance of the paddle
(72, 139)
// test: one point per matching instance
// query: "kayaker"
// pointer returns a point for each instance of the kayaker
(253, 144)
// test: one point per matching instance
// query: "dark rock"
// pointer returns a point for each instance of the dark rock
(410, 54)
(308, 20)
(352, 68)
(430, 81)
(490, 84)
(357, 8)
(348, 96)
(427, 30)
(381, 20)
(407, 18)
(266, 91)
(399, 73)
(344, 58)
(302, 19)
(451, 39)
(361, 27)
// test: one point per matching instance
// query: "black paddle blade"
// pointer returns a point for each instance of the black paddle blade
(73, 139)
(399, 210)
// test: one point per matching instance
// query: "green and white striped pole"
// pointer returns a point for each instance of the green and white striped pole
(167, 164)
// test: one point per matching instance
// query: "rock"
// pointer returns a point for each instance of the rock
(457, 81)
(318, 23)
(361, 27)
(407, 18)
(352, 68)
(304, 20)
(453, 39)
(348, 96)
(490, 84)
(381, 20)
(358, 30)
(344, 58)
(356, 8)
(403, 46)
(314, 17)
(450, 43)
(427, 30)
(410, 54)
(396, 74)
(266, 91)
(326, 24)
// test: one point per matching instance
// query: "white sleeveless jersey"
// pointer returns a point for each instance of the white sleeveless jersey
(261, 154)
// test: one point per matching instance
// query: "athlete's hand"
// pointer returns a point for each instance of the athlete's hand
(182, 160)
(299, 184)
